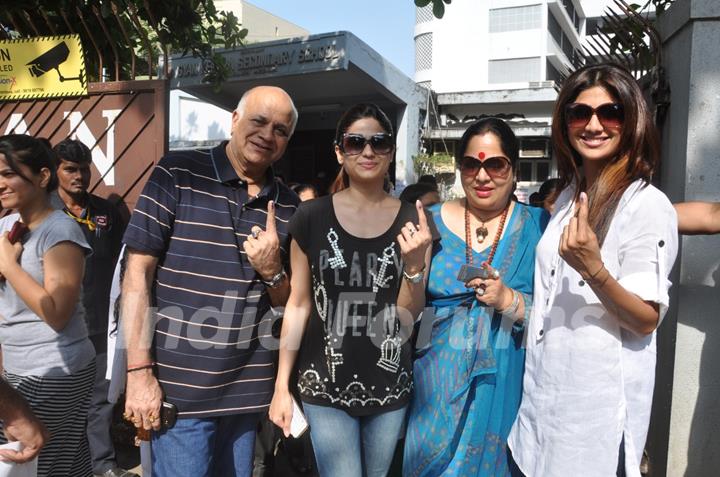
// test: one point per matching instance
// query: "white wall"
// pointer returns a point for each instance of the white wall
(192, 119)
(463, 46)
(460, 50)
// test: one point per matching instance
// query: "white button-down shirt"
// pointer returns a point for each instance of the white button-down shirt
(588, 383)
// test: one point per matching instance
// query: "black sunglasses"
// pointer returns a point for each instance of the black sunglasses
(610, 115)
(496, 167)
(354, 144)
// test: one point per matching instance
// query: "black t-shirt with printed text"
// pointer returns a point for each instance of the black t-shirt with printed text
(355, 355)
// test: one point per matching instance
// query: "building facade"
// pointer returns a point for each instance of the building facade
(325, 74)
(197, 123)
(500, 58)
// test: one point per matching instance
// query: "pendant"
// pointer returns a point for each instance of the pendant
(481, 232)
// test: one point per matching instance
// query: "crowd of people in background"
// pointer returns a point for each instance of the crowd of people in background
(477, 335)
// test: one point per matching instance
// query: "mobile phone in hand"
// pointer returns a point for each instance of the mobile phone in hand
(17, 231)
(298, 423)
(468, 272)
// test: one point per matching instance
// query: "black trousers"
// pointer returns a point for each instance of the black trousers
(102, 451)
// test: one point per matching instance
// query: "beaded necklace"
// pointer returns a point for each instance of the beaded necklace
(468, 239)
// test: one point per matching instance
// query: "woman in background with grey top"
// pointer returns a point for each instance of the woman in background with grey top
(46, 354)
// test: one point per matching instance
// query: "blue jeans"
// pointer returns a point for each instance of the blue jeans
(347, 446)
(219, 446)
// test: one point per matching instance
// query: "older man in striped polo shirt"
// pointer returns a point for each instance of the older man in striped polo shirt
(207, 253)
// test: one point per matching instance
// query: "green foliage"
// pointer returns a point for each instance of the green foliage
(433, 164)
(438, 6)
(628, 36)
(135, 30)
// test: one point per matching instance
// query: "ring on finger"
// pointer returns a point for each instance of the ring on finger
(411, 231)
(255, 233)
(480, 290)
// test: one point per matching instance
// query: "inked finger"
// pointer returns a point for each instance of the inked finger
(270, 226)
(583, 210)
(422, 218)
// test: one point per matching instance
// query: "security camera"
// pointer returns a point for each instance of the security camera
(51, 60)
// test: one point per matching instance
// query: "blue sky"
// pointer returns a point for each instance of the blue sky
(387, 26)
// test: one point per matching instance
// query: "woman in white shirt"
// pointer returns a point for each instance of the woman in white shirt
(601, 287)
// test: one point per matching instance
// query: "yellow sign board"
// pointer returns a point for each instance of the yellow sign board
(42, 67)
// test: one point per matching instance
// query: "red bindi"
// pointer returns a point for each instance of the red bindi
(481, 155)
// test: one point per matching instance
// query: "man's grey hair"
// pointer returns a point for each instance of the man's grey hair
(240, 109)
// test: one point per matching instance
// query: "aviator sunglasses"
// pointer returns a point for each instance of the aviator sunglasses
(354, 144)
(496, 167)
(610, 115)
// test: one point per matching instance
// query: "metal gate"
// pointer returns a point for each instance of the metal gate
(124, 123)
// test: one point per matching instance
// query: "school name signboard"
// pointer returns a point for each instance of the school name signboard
(325, 52)
(42, 67)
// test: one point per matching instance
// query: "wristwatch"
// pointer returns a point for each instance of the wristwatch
(276, 280)
(416, 278)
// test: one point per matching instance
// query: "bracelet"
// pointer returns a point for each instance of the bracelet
(140, 368)
(417, 277)
(512, 309)
(607, 277)
(593, 275)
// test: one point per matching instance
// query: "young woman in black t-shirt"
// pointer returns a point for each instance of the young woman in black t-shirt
(359, 259)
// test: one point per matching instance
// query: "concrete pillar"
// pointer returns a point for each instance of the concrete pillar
(406, 145)
(688, 391)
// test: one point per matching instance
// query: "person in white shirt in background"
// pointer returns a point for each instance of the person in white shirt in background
(601, 287)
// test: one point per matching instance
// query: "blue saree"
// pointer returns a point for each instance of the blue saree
(468, 376)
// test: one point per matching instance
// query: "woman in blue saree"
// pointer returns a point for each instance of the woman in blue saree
(468, 371)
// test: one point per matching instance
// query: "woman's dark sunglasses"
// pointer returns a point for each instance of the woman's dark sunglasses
(496, 167)
(354, 144)
(610, 115)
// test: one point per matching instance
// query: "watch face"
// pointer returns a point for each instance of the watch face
(417, 278)
(276, 280)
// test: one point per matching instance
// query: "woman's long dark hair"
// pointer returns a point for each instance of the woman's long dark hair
(639, 152)
(355, 113)
(33, 153)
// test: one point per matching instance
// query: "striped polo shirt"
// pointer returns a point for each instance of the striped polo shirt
(214, 348)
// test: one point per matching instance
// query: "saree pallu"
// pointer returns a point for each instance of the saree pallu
(468, 377)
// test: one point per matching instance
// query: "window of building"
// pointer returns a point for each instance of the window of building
(592, 26)
(423, 52)
(534, 147)
(554, 28)
(552, 74)
(572, 14)
(515, 18)
(514, 70)
(533, 170)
